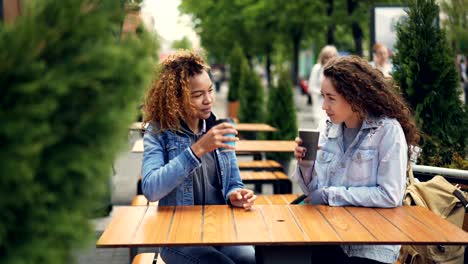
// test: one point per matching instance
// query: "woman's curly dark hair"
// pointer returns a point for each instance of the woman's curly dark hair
(370, 93)
(168, 99)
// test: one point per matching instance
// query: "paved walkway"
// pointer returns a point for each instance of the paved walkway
(124, 183)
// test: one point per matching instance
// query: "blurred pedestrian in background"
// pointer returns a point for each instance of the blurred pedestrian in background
(315, 80)
(381, 59)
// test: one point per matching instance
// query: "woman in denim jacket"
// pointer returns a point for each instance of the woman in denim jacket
(363, 151)
(182, 164)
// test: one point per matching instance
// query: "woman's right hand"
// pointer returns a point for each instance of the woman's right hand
(299, 151)
(214, 139)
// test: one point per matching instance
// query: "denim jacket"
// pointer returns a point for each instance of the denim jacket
(370, 173)
(169, 164)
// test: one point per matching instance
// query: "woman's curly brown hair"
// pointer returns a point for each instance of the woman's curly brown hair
(370, 93)
(168, 99)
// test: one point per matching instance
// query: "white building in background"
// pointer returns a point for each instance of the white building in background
(164, 18)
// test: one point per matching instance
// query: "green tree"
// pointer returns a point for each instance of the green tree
(251, 96)
(183, 43)
(427, 76)
(235, 63)
(281, 113)
(456, 24)
(69, 89)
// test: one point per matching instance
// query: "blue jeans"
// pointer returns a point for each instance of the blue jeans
(208, 254)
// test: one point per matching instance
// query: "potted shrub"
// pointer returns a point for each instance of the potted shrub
(281, 113)
(68, 94)
(235, 62)
(425, 71)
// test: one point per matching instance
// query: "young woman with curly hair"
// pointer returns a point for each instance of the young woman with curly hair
(363, 151)
(182, 164)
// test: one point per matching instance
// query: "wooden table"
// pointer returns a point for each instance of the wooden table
(245, 146)
(280, 225)
(277, 225)
(241, 127)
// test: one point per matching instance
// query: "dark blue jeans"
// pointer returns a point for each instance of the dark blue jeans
(207, 254)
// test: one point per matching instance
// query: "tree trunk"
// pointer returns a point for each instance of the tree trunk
(268, 65)
(331, 26)
(357, 35)
(356, 28)
(296, 46)
(11, 9)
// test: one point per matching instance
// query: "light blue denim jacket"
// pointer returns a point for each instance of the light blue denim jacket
(370, 173)
(169, 164)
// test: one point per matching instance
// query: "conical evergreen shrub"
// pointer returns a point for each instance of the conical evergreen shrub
(235, 62)
(281, 113)
(426, 73)
(251, 94)
(69, 88)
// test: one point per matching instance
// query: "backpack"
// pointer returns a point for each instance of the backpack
(444, 199)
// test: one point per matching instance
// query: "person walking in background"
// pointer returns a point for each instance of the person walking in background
(315, 80)
(381, 59)
(182, 164)
(363, 152)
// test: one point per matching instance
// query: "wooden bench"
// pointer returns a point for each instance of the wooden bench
(144, 258)
(281, 182)
(269, 165)
(140, 200)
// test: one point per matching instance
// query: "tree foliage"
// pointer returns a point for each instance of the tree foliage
(183, 43)
(427, 76)
(235, 63)
(251, 96)
(281, 113)
(456, 24)
(68, 90)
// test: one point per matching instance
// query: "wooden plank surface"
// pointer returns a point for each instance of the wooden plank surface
(248, 127)
(186, 226)
(265, 146)
(347, 227)
(122, 227)
(155, 225)
(245, 146)
(448, 230)
(315, 225)
(410, 226)
(282, 225)
(254, 127)
(271, 224)
(218, 226)
(250, 226)
(380, 227)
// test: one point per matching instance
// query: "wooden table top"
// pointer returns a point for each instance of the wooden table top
(247, 127)
(277, 225)
(245, 146)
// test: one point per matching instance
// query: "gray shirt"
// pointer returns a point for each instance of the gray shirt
(207, 187)
(349, 134)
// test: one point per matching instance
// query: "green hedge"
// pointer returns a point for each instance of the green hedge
(281, 113)
(69, 88)
(426, 73)
(252, 106)
(235, 62)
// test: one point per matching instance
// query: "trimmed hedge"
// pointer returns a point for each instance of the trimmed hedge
(282, 113)
(252, 106)
(69, 88)
(426, 73)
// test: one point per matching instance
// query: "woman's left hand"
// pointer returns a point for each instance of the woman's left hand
(242, 198)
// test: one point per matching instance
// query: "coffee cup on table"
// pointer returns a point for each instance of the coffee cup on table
(230, 143)
(310, 139)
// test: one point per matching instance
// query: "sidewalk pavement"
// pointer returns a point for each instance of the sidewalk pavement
(127, 169)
